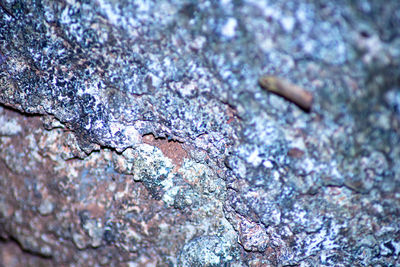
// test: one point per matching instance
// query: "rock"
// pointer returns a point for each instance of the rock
(139, 129)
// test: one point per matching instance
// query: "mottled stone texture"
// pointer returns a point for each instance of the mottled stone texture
(134, 133)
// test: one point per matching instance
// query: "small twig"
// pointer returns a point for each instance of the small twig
(288, 90)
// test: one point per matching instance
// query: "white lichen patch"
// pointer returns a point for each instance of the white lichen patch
(170, 193)
(129, 136)
(143, 160)
(46, 207)
(150, 161)
(94, 229)
(186, 90)
(254, 158)
(193, 172)
(229, 28)
(9, 126)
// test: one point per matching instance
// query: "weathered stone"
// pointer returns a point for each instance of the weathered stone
(138, 128)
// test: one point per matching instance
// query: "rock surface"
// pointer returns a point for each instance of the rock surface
(134, 133)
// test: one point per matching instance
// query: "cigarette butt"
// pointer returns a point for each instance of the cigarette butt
(288, 90)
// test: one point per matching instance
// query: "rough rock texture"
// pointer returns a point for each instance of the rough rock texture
(134, 133)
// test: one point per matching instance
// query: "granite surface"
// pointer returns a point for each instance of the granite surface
(135, 133)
